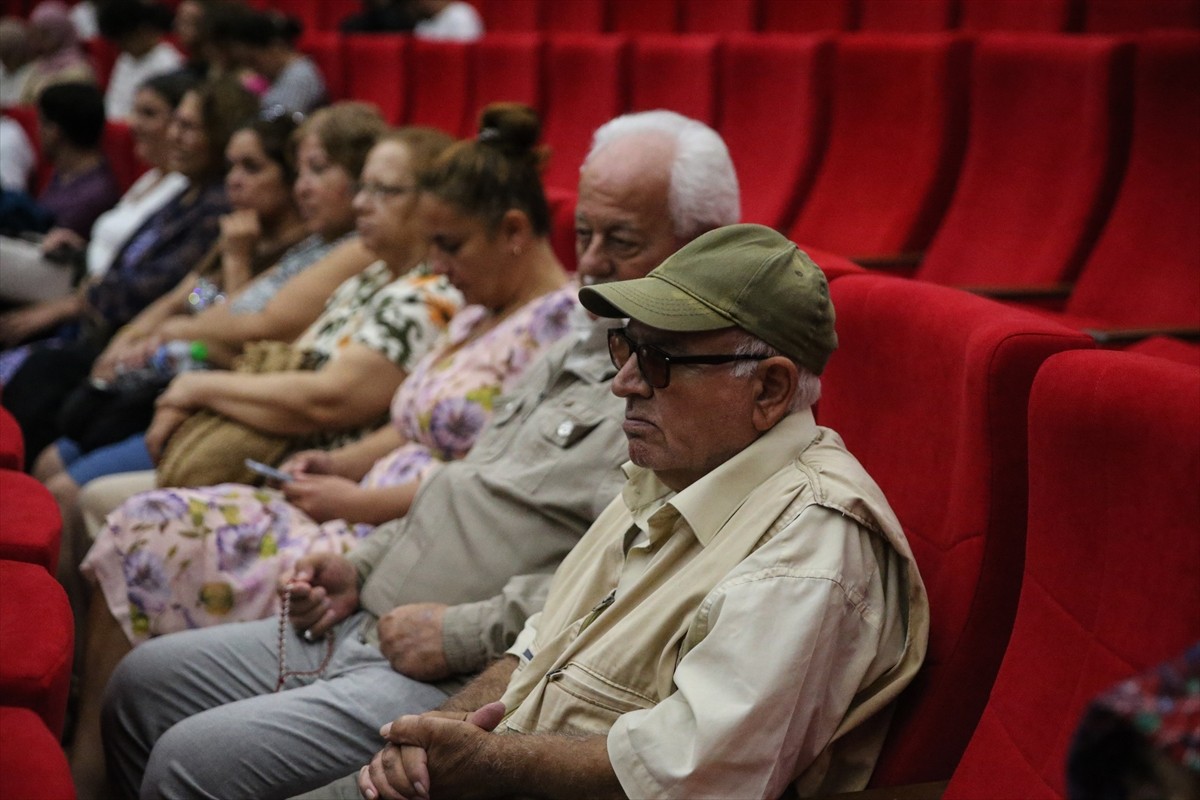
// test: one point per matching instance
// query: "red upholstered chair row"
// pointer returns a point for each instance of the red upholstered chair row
(928, 389)
(1171, 349)
(12, 443)
(30, 523)
(32, 763)
(1110, 580)
(38, 632)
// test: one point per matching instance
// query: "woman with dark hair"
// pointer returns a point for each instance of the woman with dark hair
(153, 259)
(264, 41)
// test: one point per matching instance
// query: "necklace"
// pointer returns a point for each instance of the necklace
(285, 673)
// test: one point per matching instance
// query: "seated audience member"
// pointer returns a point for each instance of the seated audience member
(35, 272)
(447, 20)
(376, 328)
(382, 16)
(448, 586)
(747, 542)
(57, 55)
(16, 158)
(70, 128)
(136, 27)
(150, 262)
(264, 41)
(15, 64)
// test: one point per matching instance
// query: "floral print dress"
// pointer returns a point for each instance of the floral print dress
(172, 559)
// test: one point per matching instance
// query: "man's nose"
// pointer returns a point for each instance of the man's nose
(593, 262)
(628, 382)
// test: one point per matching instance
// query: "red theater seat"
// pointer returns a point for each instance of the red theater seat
(643, 16)
(562, 225)
(585, 87)
(806, 16)
(1171, 349)
(375, 72)
(325, 48)
(439, 87)
(577, 16)
(775, 163)
(1132, 16)
(12, 443)
(1145, 269)
(38, 634)
(718, 16)
(1110, 580)
(898, 121)
(1046, 148)
(947, 446)
(506, 67)
(509, 16)
(906, 16)
(1047, 16)
(678, 73)
(119, 148)
(30, 523)
(833, 265)
(32, 763)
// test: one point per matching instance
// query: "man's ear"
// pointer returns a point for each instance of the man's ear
(516, 230)
(775, 384)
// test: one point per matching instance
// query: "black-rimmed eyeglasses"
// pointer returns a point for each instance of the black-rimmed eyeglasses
(655, 363)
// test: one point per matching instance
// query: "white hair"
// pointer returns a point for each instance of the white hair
(808, 387)
(704, 188)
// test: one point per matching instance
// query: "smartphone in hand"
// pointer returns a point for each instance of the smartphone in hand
(267, 471)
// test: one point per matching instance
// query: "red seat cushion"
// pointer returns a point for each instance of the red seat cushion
(32, 764)
(38, 634)
(30, 523)
(12, 443)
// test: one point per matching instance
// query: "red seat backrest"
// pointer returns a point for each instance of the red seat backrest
(907, 16)
(506, 67)
(1133, 16)
(331, 13)
(120, 149)
(520, 16)
(1047, 16)
(1048, 140)
(643, 16)
(895, 142)
(806, 16)
(327, 50)
(1110, 580)
(789, 74)
(375, 72)
(678, 73)
(585, 87)
(103, 55)
(577, 16)
(562, 225)
(1145, 268)
(947, 446)
(439, 86)
(718, 16)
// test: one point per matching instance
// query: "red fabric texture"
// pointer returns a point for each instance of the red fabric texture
(562, 225)
(833, 265)
(119, 148)
(1133, 16)
(375, 71)
(1171, 349)
(507, 67)
(718, 16)
(30, 523)
(326, 50)
(640, 16)
(1047, 16)
(899, 109)
(32, 764)
(509, 16)
(788, 16)
(439, 81)
(1145, 268)
(1044, 155)
(12, 443)
(585, 87)
(38, 634)
(678, 73)
(1110, 585)
(577, 16)
(906, 16)
(775, 163)
(928, 388)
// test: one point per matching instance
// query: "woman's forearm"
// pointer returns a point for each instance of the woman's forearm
(383, 504)
(355, 460)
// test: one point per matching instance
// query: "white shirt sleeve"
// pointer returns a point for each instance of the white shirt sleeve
(790, 635)
(16, 156)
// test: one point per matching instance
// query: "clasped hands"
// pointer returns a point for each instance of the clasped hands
(441, 749)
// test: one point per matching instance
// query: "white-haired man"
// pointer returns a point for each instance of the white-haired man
(436, 595)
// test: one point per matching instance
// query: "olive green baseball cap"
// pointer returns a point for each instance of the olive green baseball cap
(750, 276)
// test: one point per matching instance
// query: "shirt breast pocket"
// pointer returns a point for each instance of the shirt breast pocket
(580, 700)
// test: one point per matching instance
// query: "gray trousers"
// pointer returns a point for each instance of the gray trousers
(196, 715)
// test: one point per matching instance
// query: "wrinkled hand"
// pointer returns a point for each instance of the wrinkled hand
(124, 355)
(324, 590)
(21, 324)
(323, 497)
(167, 420)
(410, 638)
(240, 232)
(431, 747)
(308, 462)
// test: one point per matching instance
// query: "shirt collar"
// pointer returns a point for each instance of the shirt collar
(708, 503)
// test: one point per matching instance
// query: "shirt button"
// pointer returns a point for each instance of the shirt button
(565, 429)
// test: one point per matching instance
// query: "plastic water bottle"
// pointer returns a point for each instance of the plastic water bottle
(166, 362)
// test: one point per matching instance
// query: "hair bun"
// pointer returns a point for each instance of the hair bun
(511, 127)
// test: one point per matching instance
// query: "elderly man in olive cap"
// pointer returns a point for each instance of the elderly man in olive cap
(743, 615)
